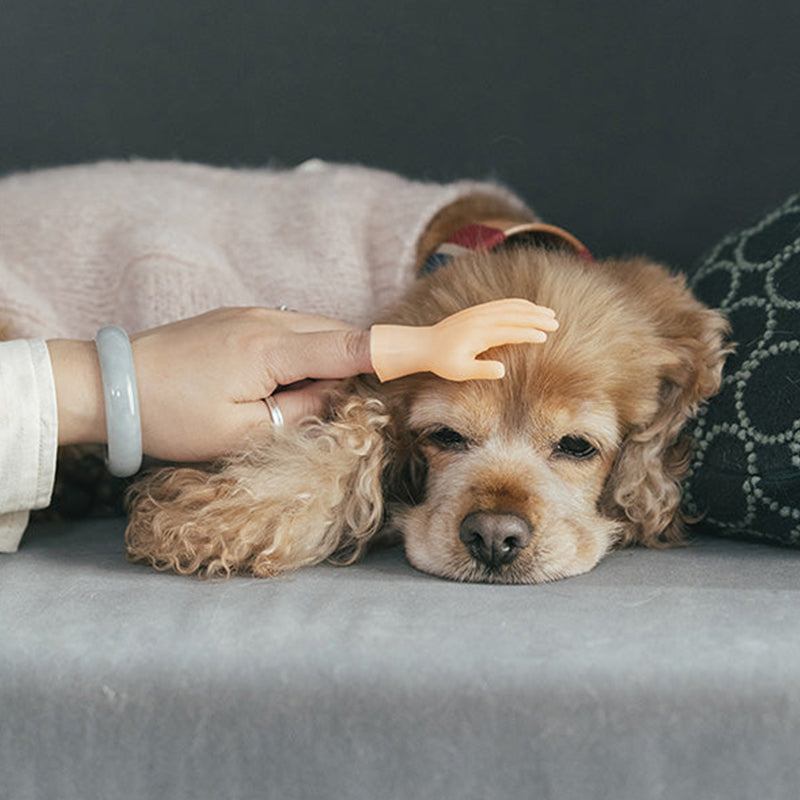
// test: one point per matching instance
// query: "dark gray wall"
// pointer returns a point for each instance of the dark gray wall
(641, 125)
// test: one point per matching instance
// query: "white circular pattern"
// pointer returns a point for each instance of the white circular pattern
(745, 475)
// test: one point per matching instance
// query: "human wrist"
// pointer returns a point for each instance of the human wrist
(399, 350)
(79, 391)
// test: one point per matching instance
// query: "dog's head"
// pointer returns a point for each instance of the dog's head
(534, 477)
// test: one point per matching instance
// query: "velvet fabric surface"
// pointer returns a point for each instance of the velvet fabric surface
(667, 674)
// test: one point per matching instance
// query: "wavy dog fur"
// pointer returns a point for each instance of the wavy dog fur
(634, 357)
(296, 501)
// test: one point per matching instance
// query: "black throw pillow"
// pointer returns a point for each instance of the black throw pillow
(745, 476)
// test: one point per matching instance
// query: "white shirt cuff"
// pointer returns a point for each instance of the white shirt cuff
(28, 435)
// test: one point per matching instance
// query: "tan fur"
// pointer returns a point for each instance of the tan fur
(634, 357)
(272, 508)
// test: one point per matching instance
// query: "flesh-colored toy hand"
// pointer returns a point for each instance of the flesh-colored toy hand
(450, 347)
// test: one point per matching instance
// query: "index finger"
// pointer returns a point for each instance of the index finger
(338, 353)
(498, 308)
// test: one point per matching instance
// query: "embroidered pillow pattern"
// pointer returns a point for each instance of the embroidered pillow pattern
(745, 476)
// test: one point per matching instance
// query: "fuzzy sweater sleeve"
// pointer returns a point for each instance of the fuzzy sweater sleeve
(144, 243)
(28, 435)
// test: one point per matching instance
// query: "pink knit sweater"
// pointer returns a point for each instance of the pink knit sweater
(142, 243)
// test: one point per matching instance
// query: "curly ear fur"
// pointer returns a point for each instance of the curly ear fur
(289, 502)
(643, 488)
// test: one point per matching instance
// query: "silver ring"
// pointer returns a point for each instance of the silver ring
(274, 411)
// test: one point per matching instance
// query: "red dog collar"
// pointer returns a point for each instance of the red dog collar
(490, 234)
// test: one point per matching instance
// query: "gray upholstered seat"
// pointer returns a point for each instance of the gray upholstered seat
(659, 674)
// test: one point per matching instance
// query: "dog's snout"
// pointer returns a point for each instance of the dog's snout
(495, 537)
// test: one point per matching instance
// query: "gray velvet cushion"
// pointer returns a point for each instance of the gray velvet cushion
(660, 674)
(746, 474)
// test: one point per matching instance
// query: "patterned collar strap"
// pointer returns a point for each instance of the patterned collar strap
(492, 233)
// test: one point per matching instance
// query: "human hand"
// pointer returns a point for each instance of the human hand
(449, 348)
(202, 381)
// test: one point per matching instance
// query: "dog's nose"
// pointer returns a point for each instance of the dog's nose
(495, 537)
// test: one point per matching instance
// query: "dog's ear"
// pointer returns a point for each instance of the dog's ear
(406, 474)
(405, 466)
(643, 489)
(298, 498)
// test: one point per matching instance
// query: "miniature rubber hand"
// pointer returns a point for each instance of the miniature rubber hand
(450, 347)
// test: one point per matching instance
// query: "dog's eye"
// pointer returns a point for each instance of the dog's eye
(447, 439)
(576, 447)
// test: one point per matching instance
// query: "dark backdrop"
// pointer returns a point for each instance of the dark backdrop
(640, 124)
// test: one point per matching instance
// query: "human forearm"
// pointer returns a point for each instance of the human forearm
(79, 391)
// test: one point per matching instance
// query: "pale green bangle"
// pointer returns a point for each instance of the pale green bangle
(123, 423)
